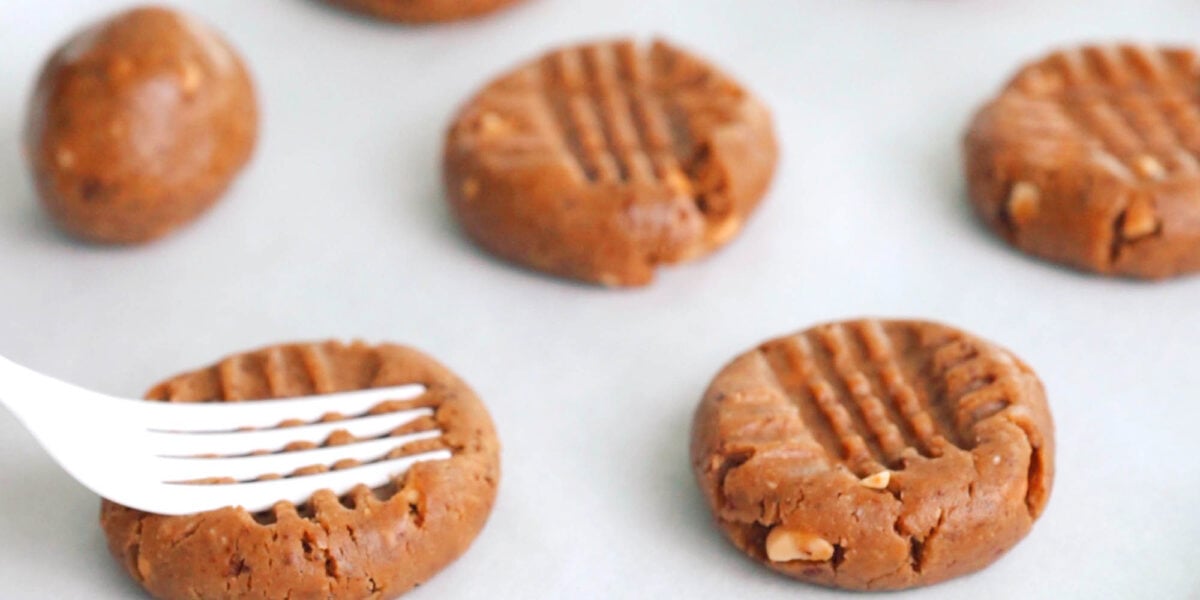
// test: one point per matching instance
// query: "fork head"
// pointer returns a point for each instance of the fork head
(177, 458)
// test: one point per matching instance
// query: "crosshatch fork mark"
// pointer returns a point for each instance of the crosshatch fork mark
(870, 397)
(615, 122)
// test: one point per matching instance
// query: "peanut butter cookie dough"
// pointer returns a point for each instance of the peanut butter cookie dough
(370, 543)
(423, 11)
(602, 161)
(1088, 157)
(137, 125)
(875, 455)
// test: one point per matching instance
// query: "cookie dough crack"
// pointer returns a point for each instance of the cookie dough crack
(705, 180)
(188, 534)
(332, 573)
(917, 546)
(870, 584)
(135, 549)
(1034, 492)
(1130, 227)
(771, 510)
(1004, 216)
(728, 462)
(839, 556)
(916, 554)
(1033, 474)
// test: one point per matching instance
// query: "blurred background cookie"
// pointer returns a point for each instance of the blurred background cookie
(370, 543)
(138, 124)
(600, 162)
(423, 11)
(875, 455)
(1088, 157)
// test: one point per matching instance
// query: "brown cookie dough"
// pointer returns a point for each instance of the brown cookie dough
(875, 455)
(1088, 157)
(367, 544)
(599, 162)
(137, 125)
(423, 11)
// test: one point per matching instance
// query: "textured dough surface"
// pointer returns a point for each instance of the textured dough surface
(1088, 157)
(137, 125)
(601, 161)
(367, 544)
(875, 455)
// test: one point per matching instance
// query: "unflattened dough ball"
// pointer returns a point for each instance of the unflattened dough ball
(602, 161)
(1091, 157)
(875, 455)
(137, 125)
(423, 11)
(370, 543)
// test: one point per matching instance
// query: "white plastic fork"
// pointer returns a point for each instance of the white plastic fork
(141, 454)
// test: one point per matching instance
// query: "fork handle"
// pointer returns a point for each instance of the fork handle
(19, 386)
(29, 394)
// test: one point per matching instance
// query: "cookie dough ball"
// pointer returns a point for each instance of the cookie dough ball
(423, 11)
(1088, 157)
(875, 455)
(601, 162)
(137, 125)
(370, 543)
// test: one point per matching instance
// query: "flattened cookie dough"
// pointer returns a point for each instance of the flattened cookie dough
(368, 544)
(1088, 157)
(601, 161)
(423, 11)
(875, 455)
(137, 125)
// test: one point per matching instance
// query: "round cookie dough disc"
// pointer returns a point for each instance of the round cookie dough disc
(1088, 157)
(368, 544)
(875, 455)
(137, 125)
(599, 162)
(423, 11)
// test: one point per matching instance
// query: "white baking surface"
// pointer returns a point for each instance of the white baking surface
(338, 229)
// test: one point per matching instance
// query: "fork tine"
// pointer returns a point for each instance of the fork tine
(229, 416)
(262, 495)
(235, 443)
(249, 467)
